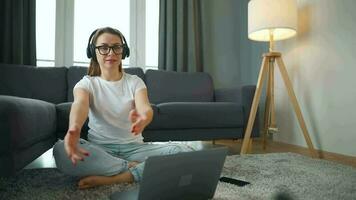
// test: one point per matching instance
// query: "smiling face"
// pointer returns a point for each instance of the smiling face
(108, 51)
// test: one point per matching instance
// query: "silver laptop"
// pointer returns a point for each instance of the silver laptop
(188, 175)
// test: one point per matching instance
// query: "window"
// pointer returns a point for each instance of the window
(152, 19)
(45, 31)
(64, 26)
(89, 15)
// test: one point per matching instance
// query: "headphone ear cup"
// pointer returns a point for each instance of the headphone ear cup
(91, 47)
(91, 51)
(125, 52)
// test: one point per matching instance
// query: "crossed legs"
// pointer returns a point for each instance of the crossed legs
(111, 164)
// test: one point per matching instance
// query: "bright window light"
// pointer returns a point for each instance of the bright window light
(45, 32)
(152, 19)
(89, 15)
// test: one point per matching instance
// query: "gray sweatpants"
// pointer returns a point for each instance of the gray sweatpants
(112, 159)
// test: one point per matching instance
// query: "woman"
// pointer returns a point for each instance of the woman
(118, 109)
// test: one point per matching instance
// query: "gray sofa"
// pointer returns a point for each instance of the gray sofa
(35, 104)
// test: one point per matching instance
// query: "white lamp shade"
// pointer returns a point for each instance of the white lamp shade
(278, 16)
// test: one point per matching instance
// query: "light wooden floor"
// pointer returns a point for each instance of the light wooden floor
(274, 147)
(47, 161)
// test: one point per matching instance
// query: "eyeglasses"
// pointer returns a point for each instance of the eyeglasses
(105, 49)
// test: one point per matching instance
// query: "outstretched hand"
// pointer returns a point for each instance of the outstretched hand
(74, 152)
(138, 122)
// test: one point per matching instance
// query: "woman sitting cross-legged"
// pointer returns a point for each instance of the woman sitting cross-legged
(118, 110)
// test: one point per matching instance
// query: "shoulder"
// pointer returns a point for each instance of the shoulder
(134, 82)
(132, 78)
(86, 82)
(86, 78)
(89, 78)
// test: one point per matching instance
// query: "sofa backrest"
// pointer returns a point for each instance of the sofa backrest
(55, 84)
(76, 73)
(43, 83)
(166, 86)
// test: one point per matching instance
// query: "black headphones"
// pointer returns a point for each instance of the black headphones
(91, 46)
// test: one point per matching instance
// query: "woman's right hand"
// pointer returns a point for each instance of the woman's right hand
(74, 152)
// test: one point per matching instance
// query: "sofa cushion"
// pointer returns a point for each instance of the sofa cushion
(63, 110)
(76, 73)
(43, 83)
(165, 86)
(191, 115)
(25, 122)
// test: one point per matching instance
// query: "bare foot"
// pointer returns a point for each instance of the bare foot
(92, 181)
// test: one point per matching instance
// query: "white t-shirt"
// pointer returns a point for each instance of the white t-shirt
(109, 105)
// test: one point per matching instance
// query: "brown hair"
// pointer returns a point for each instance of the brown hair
(94, 68)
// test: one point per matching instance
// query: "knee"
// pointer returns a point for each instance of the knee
(63, 162)
(59, 151)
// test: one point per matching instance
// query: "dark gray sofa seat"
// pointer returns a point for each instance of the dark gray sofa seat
(35, 103)
(28, 119)
(188, 108)
(180, 115)
(27, 128)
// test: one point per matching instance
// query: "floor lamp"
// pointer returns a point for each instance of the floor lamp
(272, 20)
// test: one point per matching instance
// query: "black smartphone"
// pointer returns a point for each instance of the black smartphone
(237, 182)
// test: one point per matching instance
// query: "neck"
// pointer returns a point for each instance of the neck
(111, 75)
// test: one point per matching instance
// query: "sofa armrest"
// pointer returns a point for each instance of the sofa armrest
(242, 95)
(24, 122)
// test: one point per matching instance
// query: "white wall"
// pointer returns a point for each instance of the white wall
(321, 62)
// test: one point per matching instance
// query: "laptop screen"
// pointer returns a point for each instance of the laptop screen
(192, 175)
(188, 175)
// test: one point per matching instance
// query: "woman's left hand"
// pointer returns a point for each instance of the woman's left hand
(138, 121)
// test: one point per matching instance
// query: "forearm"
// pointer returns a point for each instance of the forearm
(143, 114)
(78, 115)
(148, 112)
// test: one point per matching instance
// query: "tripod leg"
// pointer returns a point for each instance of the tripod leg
(249, 149)
(273, 109)
(254, 106)
(266, 121)
(297, 110)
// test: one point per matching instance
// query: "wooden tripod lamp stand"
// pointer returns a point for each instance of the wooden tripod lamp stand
(272, 20)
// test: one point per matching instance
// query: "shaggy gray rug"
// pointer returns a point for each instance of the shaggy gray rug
(272, 176)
